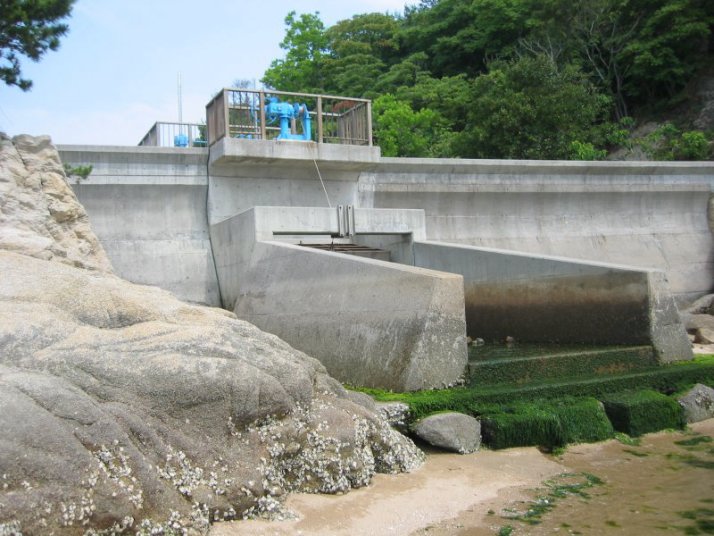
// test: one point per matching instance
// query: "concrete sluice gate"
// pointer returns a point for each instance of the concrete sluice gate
(379, 305)
(385, 294)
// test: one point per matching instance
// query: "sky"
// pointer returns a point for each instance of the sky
(116, 71)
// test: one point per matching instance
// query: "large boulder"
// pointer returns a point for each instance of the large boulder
(450, 431)
(693, 322)
(702, 306)
(698, 403)
(124, 408)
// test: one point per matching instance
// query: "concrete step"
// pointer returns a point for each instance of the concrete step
(529, 364)
(664, 378)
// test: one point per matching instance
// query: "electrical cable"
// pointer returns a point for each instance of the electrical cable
(208, 225)
(321, 181)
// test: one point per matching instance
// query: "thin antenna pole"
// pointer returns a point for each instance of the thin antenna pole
(180, 107)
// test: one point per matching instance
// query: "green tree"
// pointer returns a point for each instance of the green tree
(531, 108)
(461, 36)
(669, 46)
(305, 44)
(636, 50)
(360, 51)
(29, 28)
(402, 131)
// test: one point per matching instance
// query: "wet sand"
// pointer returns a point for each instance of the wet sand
(645, 488)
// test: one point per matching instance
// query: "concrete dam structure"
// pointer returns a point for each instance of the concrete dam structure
(567, 252)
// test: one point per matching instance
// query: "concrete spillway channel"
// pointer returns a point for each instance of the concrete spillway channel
(402, 323)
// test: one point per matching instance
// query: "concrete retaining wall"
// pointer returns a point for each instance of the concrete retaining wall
(148, 207)
(650, 215)
(371, 323)
(548, 299)
(646, 214)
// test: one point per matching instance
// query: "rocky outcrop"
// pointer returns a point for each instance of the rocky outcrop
(698, 403)
(698, 320)
(124, 408)
(450, 431)
(396, 414)
(39, 214)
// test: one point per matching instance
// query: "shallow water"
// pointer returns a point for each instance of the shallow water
(664, 485)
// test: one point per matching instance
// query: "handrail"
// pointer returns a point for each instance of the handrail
(241, 113)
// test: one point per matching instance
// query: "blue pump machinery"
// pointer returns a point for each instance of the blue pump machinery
(284, 112)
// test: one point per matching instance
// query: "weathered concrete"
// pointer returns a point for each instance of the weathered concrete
(646, 214)
(370, 322)
(150, 207)
(147, 205)
(539, 298)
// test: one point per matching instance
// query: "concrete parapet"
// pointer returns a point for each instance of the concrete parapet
(537, 298)
(274, 157)
(139, 165)
(371, 323)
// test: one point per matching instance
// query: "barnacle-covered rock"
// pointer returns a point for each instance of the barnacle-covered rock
(125, 410)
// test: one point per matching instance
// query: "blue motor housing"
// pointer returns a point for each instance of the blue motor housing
(181, 140)
(284, 111)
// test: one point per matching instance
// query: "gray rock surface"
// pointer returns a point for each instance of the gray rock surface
(124, 408)
(693, 322)
(363, 400)
(704, 336)
(451, 431)
(39, 214)
(698, 403)
(396, 414)
(702, 306)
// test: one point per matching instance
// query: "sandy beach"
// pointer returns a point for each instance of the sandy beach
(454, 494)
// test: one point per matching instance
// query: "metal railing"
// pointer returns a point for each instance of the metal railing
(164, 134)
(241, 113)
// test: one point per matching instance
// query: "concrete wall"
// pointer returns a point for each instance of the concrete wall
(650, 215)
(646, 214)
(249, 173)
(548, 299)
(148, 207)
(371, 323)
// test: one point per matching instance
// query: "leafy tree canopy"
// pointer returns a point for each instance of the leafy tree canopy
(29, 28)
(531, 108)
(305, 44)
(504, 78)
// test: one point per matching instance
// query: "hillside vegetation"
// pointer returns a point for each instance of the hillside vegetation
(538, 79)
